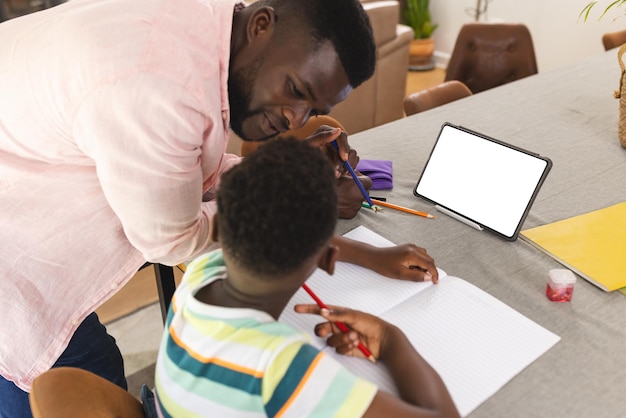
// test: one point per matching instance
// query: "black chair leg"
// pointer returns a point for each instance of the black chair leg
(166, 285)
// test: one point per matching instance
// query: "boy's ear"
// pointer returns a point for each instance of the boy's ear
(328, 259)
(214, 233)
(261, 23)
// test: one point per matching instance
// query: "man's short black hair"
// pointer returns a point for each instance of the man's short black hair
(344, 23)
(277, 207)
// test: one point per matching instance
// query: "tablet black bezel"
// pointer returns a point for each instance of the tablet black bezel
(548, 167)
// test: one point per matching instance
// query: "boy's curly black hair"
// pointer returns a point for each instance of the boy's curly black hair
(277, 207)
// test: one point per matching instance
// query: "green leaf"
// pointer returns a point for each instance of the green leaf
(417, 15)
(587, 10)
(611, 5)
(584, 13)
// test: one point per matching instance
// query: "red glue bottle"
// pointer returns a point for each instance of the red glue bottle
(560, 285)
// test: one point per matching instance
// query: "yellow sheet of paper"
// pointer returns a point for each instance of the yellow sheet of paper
(593, 245)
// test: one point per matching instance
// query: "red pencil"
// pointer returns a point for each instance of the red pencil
(340, 325)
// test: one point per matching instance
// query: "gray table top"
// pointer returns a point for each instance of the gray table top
(570, 116)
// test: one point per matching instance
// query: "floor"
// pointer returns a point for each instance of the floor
(138, 334)
(419, 80)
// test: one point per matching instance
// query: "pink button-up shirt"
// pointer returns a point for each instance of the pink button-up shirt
(113, 123)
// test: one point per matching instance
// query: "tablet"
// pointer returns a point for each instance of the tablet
(481, 181)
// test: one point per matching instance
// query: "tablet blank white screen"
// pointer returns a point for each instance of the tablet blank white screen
(482, 180)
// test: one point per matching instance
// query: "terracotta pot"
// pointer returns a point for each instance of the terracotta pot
(421, 54)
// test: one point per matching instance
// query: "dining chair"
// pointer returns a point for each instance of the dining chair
(487, 55)
(71, 392)
(165, 283)
(438, 95)
(613, 39)
(3, 13)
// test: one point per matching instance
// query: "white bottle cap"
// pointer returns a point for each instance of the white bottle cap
(562, 277)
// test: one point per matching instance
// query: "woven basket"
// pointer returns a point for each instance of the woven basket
(621, 95)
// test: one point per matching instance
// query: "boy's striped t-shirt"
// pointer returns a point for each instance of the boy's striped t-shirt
(232, 362)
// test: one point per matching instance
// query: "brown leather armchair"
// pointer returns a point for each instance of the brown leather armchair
(487, 55)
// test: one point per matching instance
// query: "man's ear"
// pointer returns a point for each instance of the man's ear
(261, 23)
(214, 233)
(328, 259)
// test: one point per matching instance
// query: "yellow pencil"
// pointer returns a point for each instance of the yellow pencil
(402, 208)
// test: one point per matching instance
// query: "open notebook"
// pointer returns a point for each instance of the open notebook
(475, 342)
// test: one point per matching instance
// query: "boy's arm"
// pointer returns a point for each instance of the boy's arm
(419, 386)
(406, 262)
(422, 393)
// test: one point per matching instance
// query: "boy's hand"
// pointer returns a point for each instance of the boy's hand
(350, 196)
(369, 329)
(323, 138)
(406, 262)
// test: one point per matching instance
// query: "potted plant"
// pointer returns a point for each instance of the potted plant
(480, 11)
(416, 14)
(585, 12)
(621, 93)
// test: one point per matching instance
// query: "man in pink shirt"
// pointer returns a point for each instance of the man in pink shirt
(114, 120)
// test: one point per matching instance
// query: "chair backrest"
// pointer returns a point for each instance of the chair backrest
(70, 392)
(488, 55)
(613, 39)
(438, 95)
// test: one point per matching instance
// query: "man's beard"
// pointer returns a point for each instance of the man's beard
(240, 85)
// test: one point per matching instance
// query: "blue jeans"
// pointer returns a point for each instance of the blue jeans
(91, 348)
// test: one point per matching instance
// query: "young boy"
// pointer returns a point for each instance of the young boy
(225, 355)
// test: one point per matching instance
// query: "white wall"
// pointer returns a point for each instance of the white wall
(558, 36)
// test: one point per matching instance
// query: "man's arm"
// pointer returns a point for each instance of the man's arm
(145, 135)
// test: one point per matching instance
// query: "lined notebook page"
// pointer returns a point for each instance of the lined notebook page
(351, 286)
(475, 342)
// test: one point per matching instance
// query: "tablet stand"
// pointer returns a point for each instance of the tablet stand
(459, 218)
